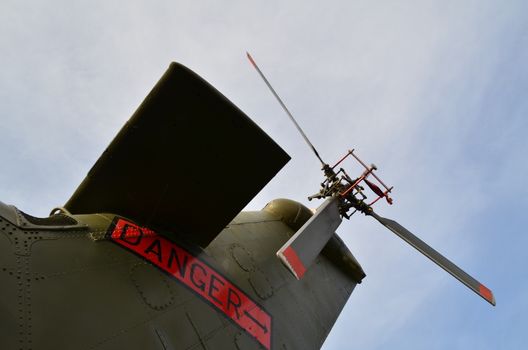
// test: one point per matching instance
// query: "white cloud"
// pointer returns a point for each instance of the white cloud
(408, 84)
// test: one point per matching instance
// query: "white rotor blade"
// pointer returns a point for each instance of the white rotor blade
(436, 257)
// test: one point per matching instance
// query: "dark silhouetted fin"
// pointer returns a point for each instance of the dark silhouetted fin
(187, 161)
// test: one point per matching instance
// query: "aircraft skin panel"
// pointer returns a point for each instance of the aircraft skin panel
(82, 290)
(304, 311)
(9, 323)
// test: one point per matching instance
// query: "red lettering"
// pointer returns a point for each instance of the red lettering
(155, 248)
(198, 283)
(202, 279)
(231, 296)
(212, 288)
(182, 266)
(131, 235)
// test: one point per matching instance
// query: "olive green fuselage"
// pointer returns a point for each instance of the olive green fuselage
(68, 286)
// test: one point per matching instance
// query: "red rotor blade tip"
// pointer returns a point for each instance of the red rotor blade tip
(251, 59)
(487, 294)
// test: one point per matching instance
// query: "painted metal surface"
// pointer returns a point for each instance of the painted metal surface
(196, 274)
(63, 289)
(299, 252)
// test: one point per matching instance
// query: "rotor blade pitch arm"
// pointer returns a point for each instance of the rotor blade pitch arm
(436, 257)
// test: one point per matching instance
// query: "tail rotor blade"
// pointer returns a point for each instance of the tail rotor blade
(299, 252)
(284, 107)
(436, 257)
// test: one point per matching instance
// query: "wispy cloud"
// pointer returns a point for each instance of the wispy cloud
(432, 92)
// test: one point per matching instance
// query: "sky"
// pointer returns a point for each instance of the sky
(432, 92)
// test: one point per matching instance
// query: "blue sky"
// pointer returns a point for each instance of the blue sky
(433, 92)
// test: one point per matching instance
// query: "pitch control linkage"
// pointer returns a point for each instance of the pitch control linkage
(348, 190)
(342, 194)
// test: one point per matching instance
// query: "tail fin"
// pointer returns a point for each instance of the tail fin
(186, 150)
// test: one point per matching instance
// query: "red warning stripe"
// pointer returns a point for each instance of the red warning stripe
(294, 261)
(197, 275)
(487, 294)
